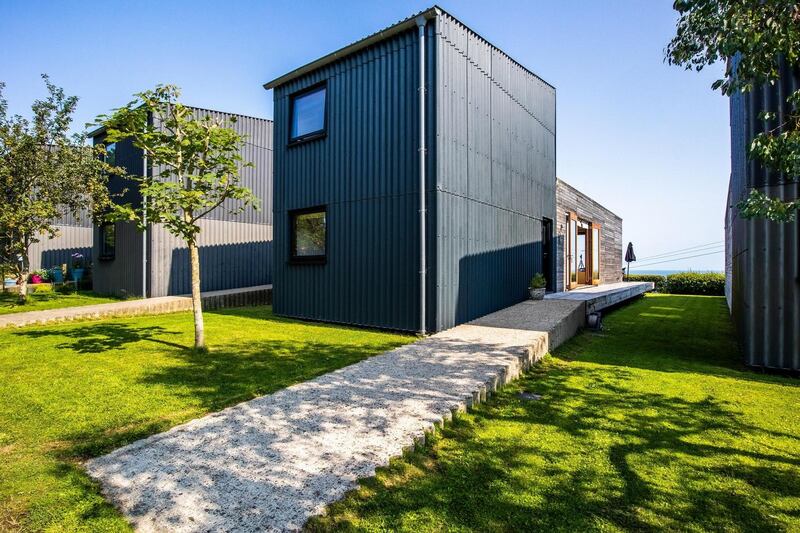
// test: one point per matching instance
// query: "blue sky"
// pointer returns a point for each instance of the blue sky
(649, 141)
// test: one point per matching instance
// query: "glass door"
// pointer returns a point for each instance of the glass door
(572, 250)
(595, 246)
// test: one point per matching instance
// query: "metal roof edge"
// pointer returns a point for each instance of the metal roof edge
(100, 129)
(403, 25)
(587, 196)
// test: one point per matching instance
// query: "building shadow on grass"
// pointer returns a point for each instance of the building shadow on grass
(597, 457)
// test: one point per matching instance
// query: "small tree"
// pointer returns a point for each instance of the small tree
(45, 173)
(763, 33)
(195, 169)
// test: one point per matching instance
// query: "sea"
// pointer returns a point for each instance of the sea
(668, 272)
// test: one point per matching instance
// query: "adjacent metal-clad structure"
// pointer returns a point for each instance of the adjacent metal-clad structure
(762, 257)
(569, 199)
(235, 250)
(74, 236)
(490, 179)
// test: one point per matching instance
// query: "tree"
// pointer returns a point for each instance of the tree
(45, 173)
(195, 168)
(759, 34)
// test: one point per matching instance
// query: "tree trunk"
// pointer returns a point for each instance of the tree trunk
(22, 277)
(197, 303)
(22, 286)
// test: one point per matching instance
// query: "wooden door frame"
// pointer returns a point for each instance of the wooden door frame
(572, 243)
(590, 263)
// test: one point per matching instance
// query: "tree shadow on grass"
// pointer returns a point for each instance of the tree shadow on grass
(101, 337)
(595, 456)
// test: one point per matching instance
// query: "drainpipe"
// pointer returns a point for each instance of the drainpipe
(422, 267)
(144, 234)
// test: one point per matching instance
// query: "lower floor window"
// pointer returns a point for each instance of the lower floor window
(309, 234)
(108, 241)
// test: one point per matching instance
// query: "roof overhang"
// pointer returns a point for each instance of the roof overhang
(403, 25)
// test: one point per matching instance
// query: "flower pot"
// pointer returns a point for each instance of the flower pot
(537, 294)
(36, 279)
(77, 274)
(57, 275)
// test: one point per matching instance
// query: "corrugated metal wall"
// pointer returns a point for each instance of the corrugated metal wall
(71, 239)
(764, 257)
(235, 250)
(365, 172)
(232, 255)
(496, 175)
(568, 198)
(124, 273)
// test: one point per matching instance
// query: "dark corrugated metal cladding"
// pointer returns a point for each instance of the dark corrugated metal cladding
(496, 174)
(365, 172)
(763, 258)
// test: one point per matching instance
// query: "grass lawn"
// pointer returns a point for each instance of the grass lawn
(42, 300)
(73, 391)
(650, 425)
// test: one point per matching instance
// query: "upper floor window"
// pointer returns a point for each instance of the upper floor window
(308, 114)
(111, 154)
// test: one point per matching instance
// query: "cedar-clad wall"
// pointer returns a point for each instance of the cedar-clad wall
(569, 199)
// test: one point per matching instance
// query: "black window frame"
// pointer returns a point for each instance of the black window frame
(313, 135)
(104, 254)
(306, 259)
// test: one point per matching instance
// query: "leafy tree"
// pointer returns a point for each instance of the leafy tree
(45, 173)
(759, 34)
(196, 163)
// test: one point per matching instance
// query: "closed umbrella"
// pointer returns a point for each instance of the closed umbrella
(630, 257)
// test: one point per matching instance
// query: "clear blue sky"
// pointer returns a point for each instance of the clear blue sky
(649, 141)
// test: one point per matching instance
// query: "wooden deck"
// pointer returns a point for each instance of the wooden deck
(600, 297)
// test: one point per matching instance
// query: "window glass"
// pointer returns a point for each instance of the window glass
(111, 154)
(108, 241)
(595, 254)
(309, 235)
(308, 113)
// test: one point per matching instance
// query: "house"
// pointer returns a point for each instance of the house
(414, 209)
(762, 258)
(235, 250)
(588, 241)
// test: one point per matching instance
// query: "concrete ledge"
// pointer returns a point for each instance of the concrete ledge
(259, 295)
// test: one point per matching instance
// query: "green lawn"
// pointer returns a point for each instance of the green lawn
(49, 299)
(73, 391)
(649, 425)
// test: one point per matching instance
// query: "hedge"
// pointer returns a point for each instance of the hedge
(659, 281)
(708, 284)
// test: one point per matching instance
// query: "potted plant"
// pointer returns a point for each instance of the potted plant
(57, 274)
(537, 287)
(77, 267)
(39, 276)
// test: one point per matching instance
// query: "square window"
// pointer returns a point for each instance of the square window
(308, 114)
(108, 241)
(309, 235)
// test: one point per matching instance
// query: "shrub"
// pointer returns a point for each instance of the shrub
(659, 281)
(709, 284)
(538, 281)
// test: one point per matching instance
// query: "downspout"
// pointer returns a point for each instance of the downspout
(144, 233)
(422, 267)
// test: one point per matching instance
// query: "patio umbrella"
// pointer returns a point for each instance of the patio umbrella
(630, 257)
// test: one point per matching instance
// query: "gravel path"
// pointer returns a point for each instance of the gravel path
(271, 463)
